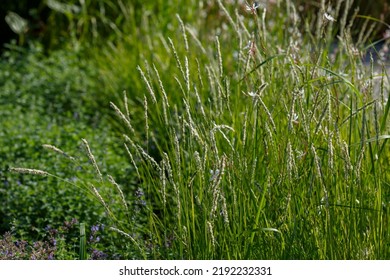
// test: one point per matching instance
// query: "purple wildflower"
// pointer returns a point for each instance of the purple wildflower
(98, 255)
(94, 228)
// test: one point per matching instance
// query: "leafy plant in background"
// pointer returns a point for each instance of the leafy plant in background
(42, 101)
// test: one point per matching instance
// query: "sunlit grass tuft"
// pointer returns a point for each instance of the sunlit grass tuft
(272, 150)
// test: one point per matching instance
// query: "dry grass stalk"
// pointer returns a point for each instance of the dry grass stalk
(211, 232)
(111, 179)
(183, 31)
(92, 159)
(29, 171)
(96, 192)
(122, 117)
(176, 57)
(150, 89)
(132, 159)
(219, 57)
(57, 150)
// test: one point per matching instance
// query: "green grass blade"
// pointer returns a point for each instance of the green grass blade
(83, 243)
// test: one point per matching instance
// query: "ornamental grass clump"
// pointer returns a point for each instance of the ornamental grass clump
(274, 149)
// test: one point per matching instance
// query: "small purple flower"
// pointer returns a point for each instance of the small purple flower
(93, 239)
(95, 228)
(9, 254)
(139, 193)
(142, 202)
(69, 224)
(53, 241)
(98, 255)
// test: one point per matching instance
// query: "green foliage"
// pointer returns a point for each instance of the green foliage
(266, 155)
(47, 85)
(48, 100)
(272, 149)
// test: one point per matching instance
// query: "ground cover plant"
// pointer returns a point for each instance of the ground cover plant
(249, 132)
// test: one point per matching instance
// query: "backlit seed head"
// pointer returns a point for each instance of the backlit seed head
(328, 17)
(29, 171)
(252, 8)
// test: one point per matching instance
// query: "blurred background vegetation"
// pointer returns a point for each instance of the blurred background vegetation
(52, 22)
